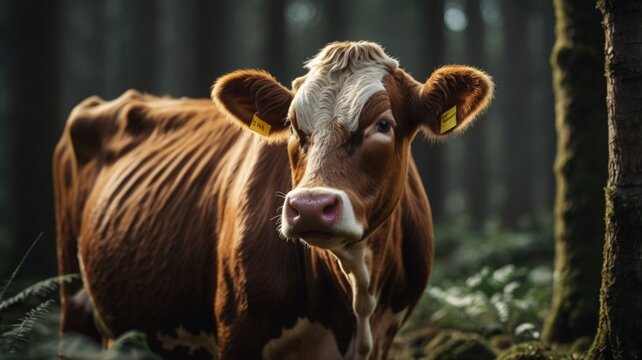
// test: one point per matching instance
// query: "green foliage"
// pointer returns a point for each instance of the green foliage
(13, 337)
(508, 300)
(462, 249)
(35, 334)
(454, 345)
(531, 351)
(8, 282)
(40, 289)
(12, 340)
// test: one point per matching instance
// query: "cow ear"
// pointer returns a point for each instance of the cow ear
(254, 99)
(449, 101)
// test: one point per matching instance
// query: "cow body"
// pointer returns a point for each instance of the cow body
(170, 213)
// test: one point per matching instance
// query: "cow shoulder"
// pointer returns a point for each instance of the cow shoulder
(99, 129)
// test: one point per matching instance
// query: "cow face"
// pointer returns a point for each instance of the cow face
(348, 124)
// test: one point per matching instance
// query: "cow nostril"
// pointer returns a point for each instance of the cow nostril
(290, 212)
(331, 208)
(331, 211)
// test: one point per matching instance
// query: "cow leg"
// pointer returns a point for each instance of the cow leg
(76, 312)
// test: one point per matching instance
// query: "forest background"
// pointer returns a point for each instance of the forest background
(492, 190)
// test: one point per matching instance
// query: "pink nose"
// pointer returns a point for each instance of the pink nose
(313, 211)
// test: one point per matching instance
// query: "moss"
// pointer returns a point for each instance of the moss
(501, 342)
(531, 351)
(580, 346)
(452, 345)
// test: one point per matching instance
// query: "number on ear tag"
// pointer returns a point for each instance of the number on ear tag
(259, 125)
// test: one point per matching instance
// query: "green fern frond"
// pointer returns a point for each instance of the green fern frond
(8, 282)
(41, 288)
(13, 339)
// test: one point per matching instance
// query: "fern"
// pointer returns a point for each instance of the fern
(8, 282)
(490, 299)
(13, 339)
(41, 289)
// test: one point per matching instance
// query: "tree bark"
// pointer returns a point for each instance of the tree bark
(580, 170)
(619, 333)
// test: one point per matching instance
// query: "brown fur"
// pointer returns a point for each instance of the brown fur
(170, 210)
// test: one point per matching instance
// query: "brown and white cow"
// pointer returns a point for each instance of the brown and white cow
(312, 239)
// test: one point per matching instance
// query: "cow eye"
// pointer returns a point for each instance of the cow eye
(287, 122)
(383, 126)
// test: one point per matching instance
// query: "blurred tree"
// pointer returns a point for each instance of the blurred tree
(82, 53)
(580, 169)
(6, 244)
(541, 106)
(34, 98)
(138, 68)
(274, 43)
(210, 35)
(619, 334)
(517, 134)
(337, 13)
(429, 156)
(476, 180)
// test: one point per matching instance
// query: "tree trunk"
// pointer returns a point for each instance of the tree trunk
(211, 44)
(33, 112)
(580, 169)
(619, 333)
(430, 157)
(517, 135)
(140, 62)
(275, 39)
(476, 158)
(337, 14)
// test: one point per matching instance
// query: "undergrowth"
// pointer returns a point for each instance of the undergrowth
(475, 289)
(34, 333)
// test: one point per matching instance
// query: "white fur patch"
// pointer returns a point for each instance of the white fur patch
(341, 79)
(305, 340)
(192, 342)
(354, 263)
(392, 319)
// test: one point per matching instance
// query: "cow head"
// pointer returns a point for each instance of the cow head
(348, 124)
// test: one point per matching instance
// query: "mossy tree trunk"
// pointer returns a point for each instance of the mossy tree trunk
(619, 334)
(580, 170)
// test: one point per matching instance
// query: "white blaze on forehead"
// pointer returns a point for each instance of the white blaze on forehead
(342, 77)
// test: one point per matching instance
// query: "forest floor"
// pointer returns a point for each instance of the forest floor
(482, 307)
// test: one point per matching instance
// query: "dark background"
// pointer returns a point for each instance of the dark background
(53, 54)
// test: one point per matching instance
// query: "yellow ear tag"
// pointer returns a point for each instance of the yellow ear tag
(448, 120)
(260, 126)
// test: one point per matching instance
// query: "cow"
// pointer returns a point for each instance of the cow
(272, 223)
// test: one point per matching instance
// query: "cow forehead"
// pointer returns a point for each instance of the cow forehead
(341, 79)
(324, 99)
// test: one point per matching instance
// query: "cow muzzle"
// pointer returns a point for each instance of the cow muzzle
(322, 217)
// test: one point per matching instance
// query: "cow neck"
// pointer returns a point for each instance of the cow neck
(356, 264)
